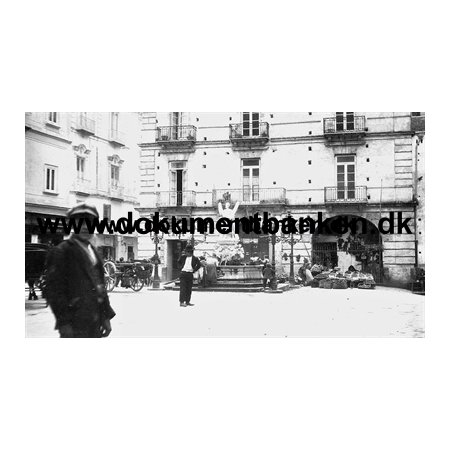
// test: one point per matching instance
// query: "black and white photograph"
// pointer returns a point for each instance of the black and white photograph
(352, 184)
(217, 278)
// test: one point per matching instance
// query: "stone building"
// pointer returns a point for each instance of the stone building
(75, 157)
(344, 164)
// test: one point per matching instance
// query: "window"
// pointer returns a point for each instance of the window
(250, 124)
(345, 177)
(80, 167)
(50, 181)
(114, 121)
(52, 117)
(107, 211)
(250, 179)
(345, 121)
(115, 175)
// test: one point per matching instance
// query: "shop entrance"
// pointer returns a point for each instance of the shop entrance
(360, 247)
(254, 245)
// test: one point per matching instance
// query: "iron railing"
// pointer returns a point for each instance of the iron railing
(175, 198)
(176, 133)
(85, 124)
(250, 195)
(115, 190)
(346, 194)
(260, 131)
(331, 126)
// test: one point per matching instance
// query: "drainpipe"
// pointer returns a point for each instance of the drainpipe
(416, 243)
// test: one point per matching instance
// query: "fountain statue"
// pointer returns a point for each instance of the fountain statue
(228, 213)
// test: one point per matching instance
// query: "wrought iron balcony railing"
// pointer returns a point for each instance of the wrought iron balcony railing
(251, 196)
(175, 198)
(331, 126)
(85, 125)
(116, 191)
(116, 137)
(182, 133)
(240, 132)
(346, 194)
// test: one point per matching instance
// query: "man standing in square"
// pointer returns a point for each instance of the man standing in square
(188, 263)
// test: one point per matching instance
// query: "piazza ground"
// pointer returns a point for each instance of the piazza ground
(304, 312)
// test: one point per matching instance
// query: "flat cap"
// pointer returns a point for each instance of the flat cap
(83, 209)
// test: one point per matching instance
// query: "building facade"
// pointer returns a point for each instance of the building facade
(344, 164)
(76, 157)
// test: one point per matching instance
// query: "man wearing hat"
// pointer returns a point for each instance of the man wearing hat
(188, 263)
(76, 284)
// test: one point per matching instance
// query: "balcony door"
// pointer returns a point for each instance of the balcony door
(250, 124)
(345, 177)
(250, 180)
(176, 122)
(345, 121)
(177, 183)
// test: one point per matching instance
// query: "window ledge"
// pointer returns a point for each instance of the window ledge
(45, 191)
(53, 124)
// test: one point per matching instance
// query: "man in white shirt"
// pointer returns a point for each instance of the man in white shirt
(188, 264)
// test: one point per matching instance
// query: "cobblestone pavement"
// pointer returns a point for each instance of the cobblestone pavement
(305, 312)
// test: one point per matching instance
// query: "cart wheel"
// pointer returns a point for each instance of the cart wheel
(136, 284)
(110, 275)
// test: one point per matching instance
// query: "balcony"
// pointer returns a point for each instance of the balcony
(176, 138)
(85, 125)
(116, 137)
(82, 187)
(251, 196)
(175, 198)
(115, 191)
(344, 133)
(251, 136)
(346, 194)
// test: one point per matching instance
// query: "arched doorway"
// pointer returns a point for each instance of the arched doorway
(349, 240)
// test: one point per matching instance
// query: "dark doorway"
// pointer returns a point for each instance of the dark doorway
(174, 250)
(107, 253)
(361, 246)
(254, 245)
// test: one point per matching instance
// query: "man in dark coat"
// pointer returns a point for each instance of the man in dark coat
(76, 284)
(188, 263)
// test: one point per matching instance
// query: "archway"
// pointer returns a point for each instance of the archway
(349, 240)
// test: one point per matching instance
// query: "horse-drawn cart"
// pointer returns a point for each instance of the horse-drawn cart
(132, 275)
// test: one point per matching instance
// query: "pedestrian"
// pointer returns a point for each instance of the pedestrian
(76, 285)
(211, 269)
(201, 279)
(188, 263)
(268, 274)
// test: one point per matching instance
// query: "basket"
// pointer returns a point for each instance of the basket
(326, 284)
(340, 283)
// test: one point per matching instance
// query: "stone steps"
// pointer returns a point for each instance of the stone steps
(235, 287)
